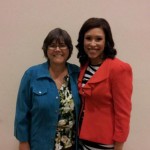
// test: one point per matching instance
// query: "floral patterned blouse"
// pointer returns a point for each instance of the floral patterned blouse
(65, 130)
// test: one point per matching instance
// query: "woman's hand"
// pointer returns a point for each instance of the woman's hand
(118, 146)
(24, 146)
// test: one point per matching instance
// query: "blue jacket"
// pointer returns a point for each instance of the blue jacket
(37, 107)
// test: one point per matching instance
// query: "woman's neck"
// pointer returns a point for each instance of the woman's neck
(96, 62)
(58, 71)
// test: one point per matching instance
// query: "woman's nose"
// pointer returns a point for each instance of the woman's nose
(93, 43)
(57, 48)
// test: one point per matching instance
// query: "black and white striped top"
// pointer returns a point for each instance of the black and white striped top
(87, 145)
(90, 71)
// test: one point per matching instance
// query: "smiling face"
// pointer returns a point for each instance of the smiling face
(94, 44)
(58, 52)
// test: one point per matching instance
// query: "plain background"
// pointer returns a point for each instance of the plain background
(25, 23)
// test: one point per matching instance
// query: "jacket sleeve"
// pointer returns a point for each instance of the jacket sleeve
(23, 105)
(121, 80)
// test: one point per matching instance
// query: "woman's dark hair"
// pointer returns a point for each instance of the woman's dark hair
(109, 50)
(57, 35)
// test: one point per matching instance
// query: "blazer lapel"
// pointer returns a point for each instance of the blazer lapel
(83, 91)
(82, 72)
(100, 75)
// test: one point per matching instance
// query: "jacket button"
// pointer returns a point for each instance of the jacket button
(56, 111)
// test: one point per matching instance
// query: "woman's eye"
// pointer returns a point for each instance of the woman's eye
(98, 39)
(52, 45)
(88, 38)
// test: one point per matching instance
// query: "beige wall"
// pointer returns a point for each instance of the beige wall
(23, 27)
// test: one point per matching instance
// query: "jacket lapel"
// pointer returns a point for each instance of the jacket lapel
(100, 75)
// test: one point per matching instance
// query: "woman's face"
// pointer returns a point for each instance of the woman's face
(94, 44)
(57, 52)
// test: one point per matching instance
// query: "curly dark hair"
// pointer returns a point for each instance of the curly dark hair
(109, 50)
(59, 35)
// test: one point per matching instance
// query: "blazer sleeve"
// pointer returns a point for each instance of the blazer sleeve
(22, 116)
(121, 81)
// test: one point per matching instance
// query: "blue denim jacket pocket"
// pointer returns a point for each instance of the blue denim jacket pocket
(40, 98)
(39, 92)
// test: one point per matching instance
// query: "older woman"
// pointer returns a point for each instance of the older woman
(48, 103)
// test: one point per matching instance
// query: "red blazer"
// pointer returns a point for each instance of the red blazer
(106, 99)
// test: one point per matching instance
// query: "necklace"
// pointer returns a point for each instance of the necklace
(58, 77)
(58, 83)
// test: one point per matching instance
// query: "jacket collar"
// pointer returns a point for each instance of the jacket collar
(43, 71)
(72, 69)
(100, 75)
